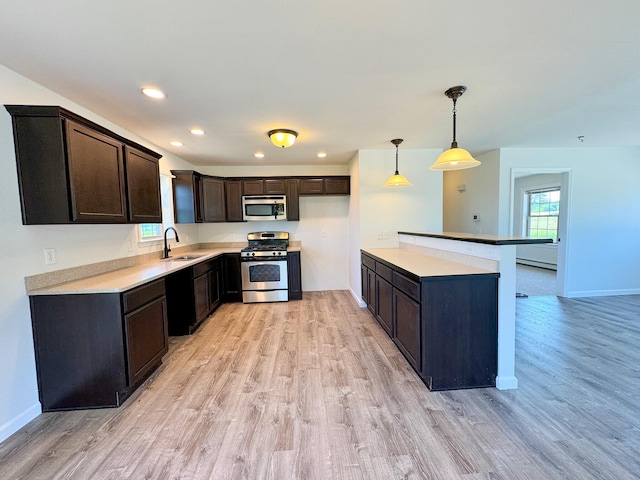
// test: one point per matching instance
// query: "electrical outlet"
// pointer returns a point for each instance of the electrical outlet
(379, 235)
(49, 256)
(385, 235)
(323, 233)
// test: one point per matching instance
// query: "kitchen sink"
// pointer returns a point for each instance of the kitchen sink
(183, 258)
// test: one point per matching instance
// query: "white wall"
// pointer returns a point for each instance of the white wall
(480, 196)
(23, 255)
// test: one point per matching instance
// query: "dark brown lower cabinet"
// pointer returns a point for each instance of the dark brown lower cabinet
(93, 350)
(294, 275)
(446, 327)
(193, 294)
(406, 313)
(385, 305)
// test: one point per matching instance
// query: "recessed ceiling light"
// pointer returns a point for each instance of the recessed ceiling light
(197, 131)
(321, 155)
(153, 92)
(258, 155)
(177, 143)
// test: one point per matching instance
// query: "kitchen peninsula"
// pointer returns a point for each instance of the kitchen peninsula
(471, 258)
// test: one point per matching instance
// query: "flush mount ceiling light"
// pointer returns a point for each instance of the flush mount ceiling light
(176, 143)
(397, 180)
(455, 158)
(197, 131)
(153, 92)
(258, 155)
(281, 137)
(321, 155)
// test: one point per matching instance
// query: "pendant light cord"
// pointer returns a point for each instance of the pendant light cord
(397, 160)
(454, 144)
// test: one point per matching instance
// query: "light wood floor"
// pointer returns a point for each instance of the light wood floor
(316, 390)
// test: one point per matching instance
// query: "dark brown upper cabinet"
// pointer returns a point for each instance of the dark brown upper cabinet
(213, 199)
(71, 170)
(198, 198)
(143, 186)
(340, 185)
(268, 186)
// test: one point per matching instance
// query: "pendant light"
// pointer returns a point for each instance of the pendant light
(397, 180)
(281, 137)
(455, 158)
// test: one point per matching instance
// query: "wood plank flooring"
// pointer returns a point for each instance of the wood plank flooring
(316, 390)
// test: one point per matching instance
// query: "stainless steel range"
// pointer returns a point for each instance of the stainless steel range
(264, 267)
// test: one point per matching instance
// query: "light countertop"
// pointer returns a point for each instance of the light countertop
(423, 265)
(127, 278)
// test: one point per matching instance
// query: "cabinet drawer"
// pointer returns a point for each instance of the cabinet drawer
(204, 267)
(384, 271)
(140, 296)
(368, 262)
(406, 285)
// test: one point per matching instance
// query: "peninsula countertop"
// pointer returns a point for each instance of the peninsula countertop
(422, 265)
(482, 238)
(124, 279)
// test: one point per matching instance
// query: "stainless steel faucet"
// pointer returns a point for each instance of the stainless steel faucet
(166, 246)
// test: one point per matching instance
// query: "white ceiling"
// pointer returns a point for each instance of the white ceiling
(347, 75)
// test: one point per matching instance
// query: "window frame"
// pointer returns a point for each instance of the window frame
(528, 216)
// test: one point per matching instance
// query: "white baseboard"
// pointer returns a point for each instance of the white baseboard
(16, 423)
(358, 300)
(603, 293)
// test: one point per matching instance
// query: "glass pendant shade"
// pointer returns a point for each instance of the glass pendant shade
(282, 137)
(397, 180)
(454, 159)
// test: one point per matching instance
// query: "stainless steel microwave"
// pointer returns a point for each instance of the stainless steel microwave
(264, 207)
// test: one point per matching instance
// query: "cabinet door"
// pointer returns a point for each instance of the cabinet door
(146, 338)
(201, 296)
(311, 186)
(187, 207)
(371, 291)
(294, 275)
(143, 187)
(274, 186)
(215, 288)
(233, 195)
(406, 313)
(384, 311)
(293, 199)
(364, 277)
(213, 200)
(337, 186)
(96, 176)
(252, 187)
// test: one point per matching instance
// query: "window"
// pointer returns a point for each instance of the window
(542, 213)
(154, 231)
